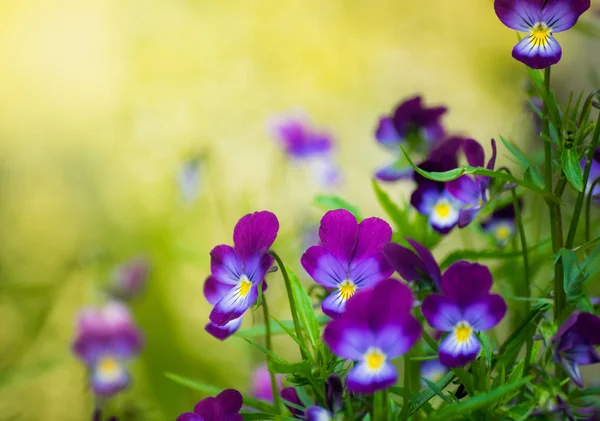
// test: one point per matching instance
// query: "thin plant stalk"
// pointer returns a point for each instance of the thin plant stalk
(269, 346)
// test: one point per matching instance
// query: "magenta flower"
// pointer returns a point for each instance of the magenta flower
(574, 344)
(237, 272)
(472, 193)
(261, 384)
(224, 407)
(501, 224)
(349, 259)
(464, 307)
(377, 327)
(131, 277)
(541, 19)
(413, 126)
(106, 339)
(417, 265)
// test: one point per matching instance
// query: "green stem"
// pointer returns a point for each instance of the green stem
(269, 346)
(582, 194)
(546, 130)
(290, 294)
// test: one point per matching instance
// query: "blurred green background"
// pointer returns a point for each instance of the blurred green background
(102, 101)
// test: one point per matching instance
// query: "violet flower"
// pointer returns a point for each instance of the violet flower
(433, 370)
(594, 175)
(349, 259)
(106, 339)
(541, 19)
(473, 193)
(464, 307)
(417, 265)
(431, 198)
(501, 224)
(238, 271)
(261, 384)
(224, 407)
(413, 126)
(574, 344)
(130, 278)
(376, 328)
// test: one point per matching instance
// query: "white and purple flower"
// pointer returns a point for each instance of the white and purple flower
(501, 224)
(224, 407)
(349, 259)
(238, 271)
(376, 328)
(541, 19)
(106, 339)
(464, 308)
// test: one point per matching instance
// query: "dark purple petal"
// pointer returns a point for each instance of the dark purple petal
(589, 327)
(334, 304)
(373, 234)
(485, 314)
(424, 198)
(368, 272)
(441, 312)
(466, 283)
(225, 264)
(290, 395)
(229, 401)
(338, 233)
(225, 331)
(386, 134)
(233, 304)
(389, 301)
(465, 189)
(255, 233)
(323, 267)
(561, 15)
(362, 379)
(189, 416)
(492, 162)
(348, 338)
(537, 54)
(474, 152)
(208, 408)
(299, 140)
(404, 261)
(394, 172)
(403, 115)
(466, 216)
(334, 390)
(215, 290)
(455, 353)
(520, 15)
(316, 413)
(432, 268)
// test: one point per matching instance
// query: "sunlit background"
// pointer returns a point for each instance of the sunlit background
(102, 104)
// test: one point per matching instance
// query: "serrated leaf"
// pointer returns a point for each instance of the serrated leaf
(306, 314)
(332, 202)
(572, 169)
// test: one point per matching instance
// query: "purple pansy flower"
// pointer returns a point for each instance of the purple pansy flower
(594, 175)
(433, 370)
(333, 395)
(350, 257)
(574, 344)
(413, 126)
(472, 193)
(431, 198)
(224, 407)
(238, 271)
(540, 19)
(501, 224)
(417, 265)
(130, 278)
(464, 307)
(377, 327)
(106, 339)
(261, 384)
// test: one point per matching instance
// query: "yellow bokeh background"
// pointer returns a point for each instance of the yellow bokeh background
(102, 101)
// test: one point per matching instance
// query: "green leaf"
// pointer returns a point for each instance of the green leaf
(276, 328)
(292, 335)
(213, 391)
(572, 169)
(436, 389)
(332, 202)
(425, 396)
(486, 346)
(302, 367)
(534, 175)
(306, 314)
(391, 209)
(472, 404)
(274, 357)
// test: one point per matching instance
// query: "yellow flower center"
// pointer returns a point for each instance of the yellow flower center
(540, 34)
(375, 359)
(244, 286)
(108, 367)
(503, 232)
(442, 208)
(463, 331)
(347, 289)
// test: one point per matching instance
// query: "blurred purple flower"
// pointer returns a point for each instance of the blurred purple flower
(417, 265)
(464, 307)
(190, 179)
(433, 370)
(349, 259)
(413, 126)
(574, 344)
(237, 272)
(130, 278)
(224, 407)
(106, 339)
(540, 19)
(594, 175)
(261, 384)
(377, 327)
(501, 224)
(289, 394)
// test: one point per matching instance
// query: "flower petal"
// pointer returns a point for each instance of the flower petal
(323, 267)
(466, 216)
(397, 337)
(454, 353)
(373, 234)
(486, 313)
(214, 290)
(225, 264)
(520, 15)
(424, 198)
(432, 268)
(441, 312)
(536, 54)
(255, 233)
(316, 413)
(189, 416)
(404, 261)
(233, 305)
(368, 272)
(362, 379)
(387, 135)
(561, 15)
(404, 114)
(394, 172)
(389, 302)
(465, 189)
(257, 266)
(466, 283)
(334, 305)
(338, 233)
(290, 395)
(106, 383)
(230, 401)
(492, 162)
(474, 152)
(348, 338)
(225, 331)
